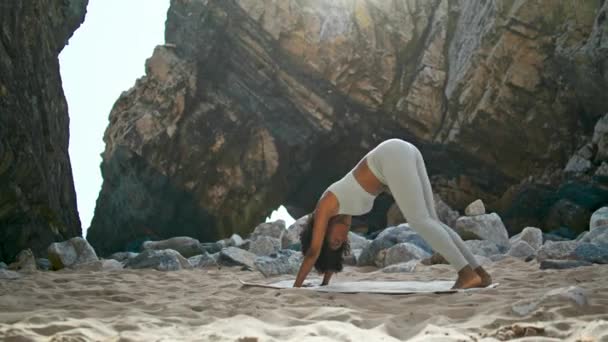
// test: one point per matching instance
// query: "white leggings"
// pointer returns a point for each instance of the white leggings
(399, 165)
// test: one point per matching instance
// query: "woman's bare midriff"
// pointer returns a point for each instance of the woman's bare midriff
(367, 179)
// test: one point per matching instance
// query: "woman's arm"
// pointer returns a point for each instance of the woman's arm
(321, 217)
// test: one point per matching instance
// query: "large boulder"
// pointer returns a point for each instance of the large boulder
(70, 253)
(485, 248)
(482, 227)
(388, 238)
(400, 253)
(599, 218)
(566, 213)
(274, 229)
(291, 238)
(186, 246)
(233, 256)
(531, 235)
(357, 241)
(26, 262)
(556, 250)
(204, 260)
(521, 249)
(590, 252)
(160, 260)
(283, 262)
(264, 245)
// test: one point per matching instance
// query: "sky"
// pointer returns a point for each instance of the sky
(103, 58)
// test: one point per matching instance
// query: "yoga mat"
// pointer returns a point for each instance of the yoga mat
(366, 286)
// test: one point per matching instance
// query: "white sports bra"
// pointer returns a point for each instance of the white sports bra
(352, 198)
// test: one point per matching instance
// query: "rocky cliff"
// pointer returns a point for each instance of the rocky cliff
(37, 198)
(255, 103)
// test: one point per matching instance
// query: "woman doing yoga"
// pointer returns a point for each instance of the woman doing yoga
(397, 165)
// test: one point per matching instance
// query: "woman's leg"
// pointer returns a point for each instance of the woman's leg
(400, 173)
(430, 204)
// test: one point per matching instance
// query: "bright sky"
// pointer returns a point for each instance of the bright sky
(104, 58)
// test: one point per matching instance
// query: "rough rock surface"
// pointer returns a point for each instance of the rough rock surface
(599, 218)
(483, 227)
(388, 238)
(291, 238)
(160, 260)
(186, 246)
(72, 252)
(531, 235)
(264, 245)
(283, 262)
(37, 198)
(247, 104)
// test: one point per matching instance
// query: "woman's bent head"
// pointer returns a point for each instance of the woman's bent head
(335, 245)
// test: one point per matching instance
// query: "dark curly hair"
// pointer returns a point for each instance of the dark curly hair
(329, 260)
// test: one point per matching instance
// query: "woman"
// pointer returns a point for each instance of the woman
(397, 165)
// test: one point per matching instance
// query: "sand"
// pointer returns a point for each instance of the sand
(211, 305)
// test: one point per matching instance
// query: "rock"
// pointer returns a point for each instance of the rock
(483, 260)
(565, 213)
(599, 218)
(204, 260)
(210, 247)
(484, 247)
(7, 274)
(602, 171)
(264, 245)
(274, 229)
(43, 264)
(283, 262)
(100, 265)
(497, 257)
(533, 236)
(291, 237)
(245, 245)
(233, 256)
(475, 209)
(388, 238)
(186, 246)
(357, 241)
(562, 264)
(578, 164)
(236, 240)
(400, 253)
(71, 252)
(404, 267)
(556, 250)
(160, 260)
(598, 235)
(483, 227)
(574, 294)
(26, 262)
(3, 266)
(595, 253)
(37, 187)
(351, 259)
(435, 259)
(446, 214)
(521, 249)
(600, 138)
(553, 237)
(123, 256)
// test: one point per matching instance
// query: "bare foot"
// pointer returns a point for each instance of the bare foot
(467, 278)
(486, 279)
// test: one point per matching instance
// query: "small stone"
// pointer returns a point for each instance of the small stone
(404, 267)
(562, 264)
(533, 236)
(578, 164)
(236, 240)
(521, 249)
(161, 260)
(7, 274)
(204, 260)
(233, 256)
(591, 252)
(43, 264)
(264, 245)
(475, 209)
(184, 245)
(599, 218)
(123, 256)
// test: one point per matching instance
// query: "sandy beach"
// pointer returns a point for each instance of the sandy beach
(211, 305)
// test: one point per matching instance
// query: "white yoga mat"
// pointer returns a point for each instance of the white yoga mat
(381, 287)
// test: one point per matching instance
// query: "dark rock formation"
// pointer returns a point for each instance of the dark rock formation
(251, 104)
(37, 198)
